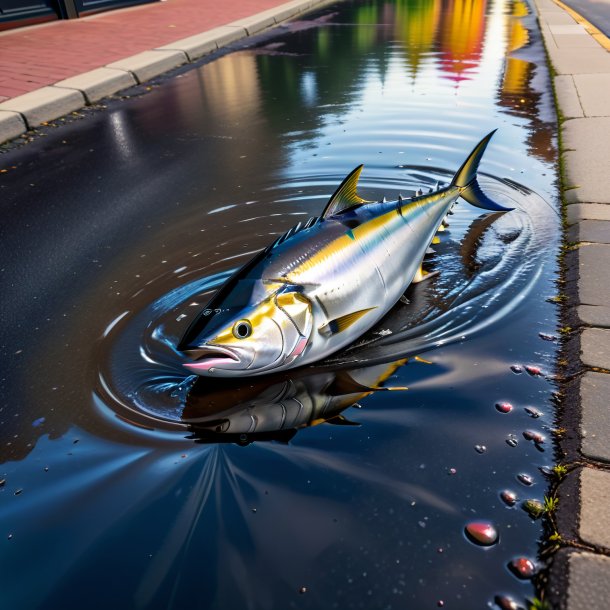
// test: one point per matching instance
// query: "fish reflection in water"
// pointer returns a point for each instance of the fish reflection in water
(275, 408)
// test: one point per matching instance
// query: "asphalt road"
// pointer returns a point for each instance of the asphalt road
(595, 11)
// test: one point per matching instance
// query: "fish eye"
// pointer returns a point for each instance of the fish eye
(242, 329)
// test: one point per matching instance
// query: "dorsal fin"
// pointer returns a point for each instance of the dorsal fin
(293, 231)
(345, 196)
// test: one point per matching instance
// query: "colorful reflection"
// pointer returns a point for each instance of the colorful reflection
(461, 37)
(517, 95)
(515, 75)
(416, 27)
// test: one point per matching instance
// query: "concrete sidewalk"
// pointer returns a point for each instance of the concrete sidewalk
(50, 70)
(579, 56)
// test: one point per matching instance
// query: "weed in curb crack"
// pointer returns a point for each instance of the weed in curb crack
(539, 604)
(550, 504)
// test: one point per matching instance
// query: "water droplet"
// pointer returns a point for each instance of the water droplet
(534, 508)
(533, 412)
(254, 510)
(532, 435)
(504, 407)
(508, 497)
(480, 448)
(547, 337)
(440, 603)
(10, 536)
(482, 533)
(506, 603)
(38, 422)
(18, 492)
(511, 440)
(452, 471)
(303, 590)
(181, 317)
(533, 370)
(515, 368)
(2, 482)
(522, 567)
(525, 479)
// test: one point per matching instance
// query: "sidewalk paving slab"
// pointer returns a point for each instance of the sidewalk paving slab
(575, 61)
(45, 104)
(587, 211)
(595, 422)
(98, 83)
(594, 93)
(595, 351)
(594, 274)
(556, 16)
(594, 315)
(148, 64)
(595, 499)
(573, 28)
(586, 164)
(590, 231)
(589, 576)
(567, 96)
(11, 125)
(575, 41)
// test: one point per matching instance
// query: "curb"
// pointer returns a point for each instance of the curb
(30, 110)
(579, 573)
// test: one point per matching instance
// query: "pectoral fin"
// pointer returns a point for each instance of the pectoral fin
(341, 420)
(342, 323)
(422, 275)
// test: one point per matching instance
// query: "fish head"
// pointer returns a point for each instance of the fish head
(255, 339)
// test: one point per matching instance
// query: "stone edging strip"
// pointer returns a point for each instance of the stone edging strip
(579, 577)
(27, 111)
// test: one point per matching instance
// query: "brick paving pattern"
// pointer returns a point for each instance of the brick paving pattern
(35, 56)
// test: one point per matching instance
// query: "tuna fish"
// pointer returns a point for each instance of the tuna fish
(326, 282)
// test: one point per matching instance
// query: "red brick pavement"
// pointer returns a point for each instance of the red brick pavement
(35, 56)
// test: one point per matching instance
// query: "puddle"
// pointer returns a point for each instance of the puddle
(305, 489)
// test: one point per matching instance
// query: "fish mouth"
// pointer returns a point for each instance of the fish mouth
(207, 357)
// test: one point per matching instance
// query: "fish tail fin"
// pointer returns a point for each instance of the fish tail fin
(466, 179)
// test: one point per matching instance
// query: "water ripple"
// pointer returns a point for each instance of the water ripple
(486, 268)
